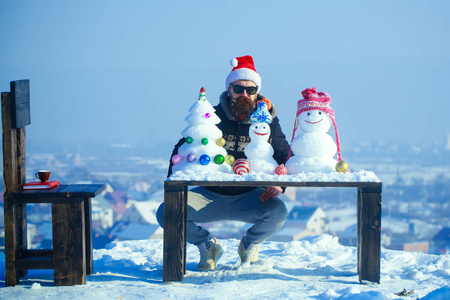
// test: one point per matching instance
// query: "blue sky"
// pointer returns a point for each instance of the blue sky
(128, 71)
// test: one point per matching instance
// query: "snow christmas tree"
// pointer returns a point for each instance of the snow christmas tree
(203, 147)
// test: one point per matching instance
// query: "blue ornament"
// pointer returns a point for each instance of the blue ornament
(204, 159)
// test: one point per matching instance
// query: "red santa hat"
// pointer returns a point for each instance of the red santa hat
(313, 100)
(243, 69)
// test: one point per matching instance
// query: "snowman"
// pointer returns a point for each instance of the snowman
(313, 148)
(259, 151)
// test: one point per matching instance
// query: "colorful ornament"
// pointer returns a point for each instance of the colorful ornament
(241, 166)
(176, 159)
(202, 95)
(219, 159)
(281, 170)
(205, 141)
(204, 159)
(230, 159)
(341, 166)
(220, 142)
(207, 115)
(189, 140)
(191, 157)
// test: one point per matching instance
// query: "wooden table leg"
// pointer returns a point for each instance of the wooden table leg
(369, 234)
(69, 244)
(11, 241)
(88, 236)
(174, 260)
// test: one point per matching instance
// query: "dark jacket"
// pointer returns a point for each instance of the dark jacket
(236, 137)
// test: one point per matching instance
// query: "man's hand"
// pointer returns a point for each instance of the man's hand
(271, 192)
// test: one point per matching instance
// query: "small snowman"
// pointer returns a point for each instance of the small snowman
(313, 148)
(259, 151)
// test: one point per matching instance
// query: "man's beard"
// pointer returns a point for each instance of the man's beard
(242, 107)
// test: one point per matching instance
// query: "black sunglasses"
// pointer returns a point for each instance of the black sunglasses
(239, 89)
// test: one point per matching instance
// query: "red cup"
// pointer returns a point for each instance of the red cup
(43, 175)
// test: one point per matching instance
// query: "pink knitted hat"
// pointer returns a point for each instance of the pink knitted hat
(313, 100)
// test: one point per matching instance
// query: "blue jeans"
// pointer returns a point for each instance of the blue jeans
(205, 206)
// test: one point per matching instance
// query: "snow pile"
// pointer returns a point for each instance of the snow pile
(314, 268)
(204, 175)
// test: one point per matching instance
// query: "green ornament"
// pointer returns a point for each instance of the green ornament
(189, 140)
(204, 141)
(219, 159)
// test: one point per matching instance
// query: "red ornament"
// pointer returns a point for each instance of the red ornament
(241, 166)
(281, 170)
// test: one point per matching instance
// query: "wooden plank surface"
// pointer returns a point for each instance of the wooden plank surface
(9, 136)
(34, 263)
(20, 100)
(69, 253)
(174, 233)
(368, 222)
(369, 240)
(62, 193)
(14, 173)
(88, 236)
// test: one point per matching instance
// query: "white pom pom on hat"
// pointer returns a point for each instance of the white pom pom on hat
(234, 62)
(243, 69)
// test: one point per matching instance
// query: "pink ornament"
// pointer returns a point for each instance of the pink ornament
(207, 115)
(176, 159)
(281, 170)
(241, 166)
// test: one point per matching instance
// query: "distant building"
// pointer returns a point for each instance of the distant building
(123, 231)
(348, 237)
(102, 214)
(312, 217)
(441, 241)
(141, 212)
(139, 190)
(303, 221)
(118, 201)
(419, 246)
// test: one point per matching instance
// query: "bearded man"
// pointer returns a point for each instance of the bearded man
(258, 206)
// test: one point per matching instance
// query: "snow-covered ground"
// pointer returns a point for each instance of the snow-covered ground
(313, 268)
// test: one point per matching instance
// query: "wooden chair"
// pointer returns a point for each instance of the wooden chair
(71, 255)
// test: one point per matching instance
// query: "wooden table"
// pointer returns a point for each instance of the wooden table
(71, 256)
(368, 223)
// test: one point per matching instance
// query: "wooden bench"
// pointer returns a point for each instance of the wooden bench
(71, 255)
(368, 223)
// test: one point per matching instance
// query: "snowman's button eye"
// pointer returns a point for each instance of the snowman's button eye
(308, 114)
(320, 112)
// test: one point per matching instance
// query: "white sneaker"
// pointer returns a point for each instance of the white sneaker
(209, 256)
(250, 254)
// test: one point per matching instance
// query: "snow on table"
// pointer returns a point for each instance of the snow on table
(359, 176)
